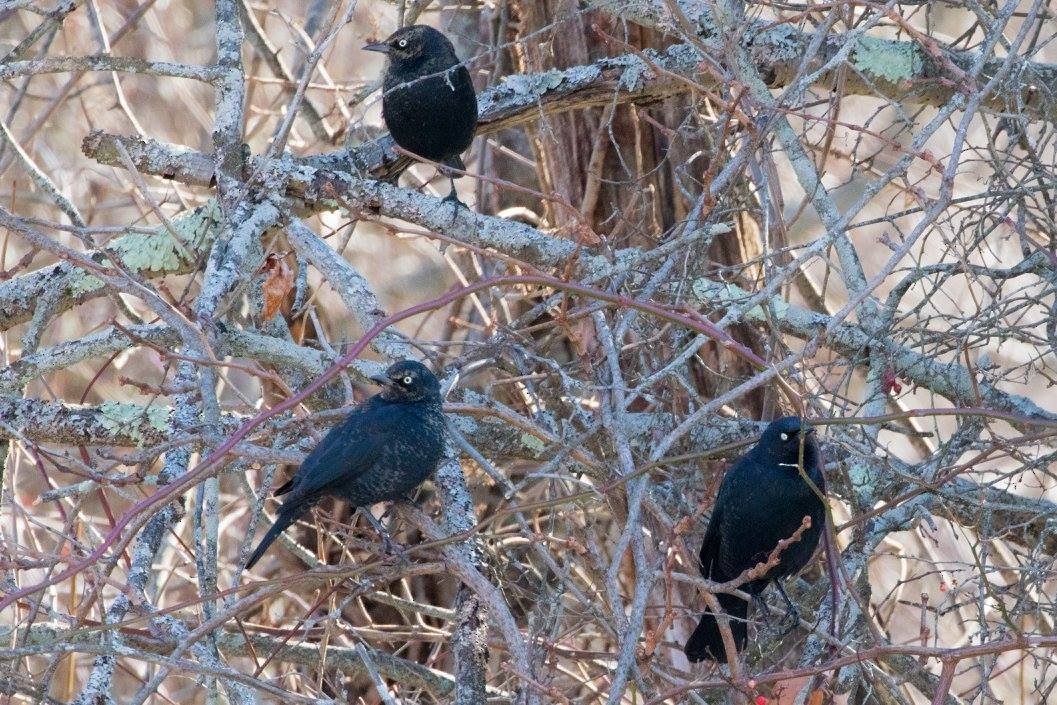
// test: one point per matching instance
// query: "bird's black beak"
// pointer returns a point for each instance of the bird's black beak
(810, 432)
(382, 380)
(380, 47)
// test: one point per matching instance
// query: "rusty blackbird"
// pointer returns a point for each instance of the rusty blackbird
(428, 103)
(385, 448)
(763, 499)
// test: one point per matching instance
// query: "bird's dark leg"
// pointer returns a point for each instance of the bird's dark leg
(761, 606)
(792, 613)
(453, 197)
(388, 545)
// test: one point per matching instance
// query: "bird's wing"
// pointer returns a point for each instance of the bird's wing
(711, 544)
(463, 85)
(349, 449)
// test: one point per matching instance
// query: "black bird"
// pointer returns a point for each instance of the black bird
(428, 103)
(385, 448)
(763, 499)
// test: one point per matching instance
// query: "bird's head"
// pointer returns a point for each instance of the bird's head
(782, 440)
(409, 44)
(408, 381)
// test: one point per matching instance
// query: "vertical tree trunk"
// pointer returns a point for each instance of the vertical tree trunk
(586, 158)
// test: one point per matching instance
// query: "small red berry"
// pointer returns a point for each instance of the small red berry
(761, 700)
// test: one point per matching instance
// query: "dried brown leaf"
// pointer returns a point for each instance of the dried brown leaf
(278, 281)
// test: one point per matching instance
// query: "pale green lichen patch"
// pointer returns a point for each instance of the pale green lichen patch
(718, 294)
(724, 295)
(520, 89)
(781, 43)
(532, 85)
(127, 419)
(141, 252)
(891, 61)
(634, 75)
(640, 425)
(533, 443)
(84, 283)
(779, 307)
(158, 251)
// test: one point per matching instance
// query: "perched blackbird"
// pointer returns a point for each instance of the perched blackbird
(385, 448)
(763, 499)
(429, 104)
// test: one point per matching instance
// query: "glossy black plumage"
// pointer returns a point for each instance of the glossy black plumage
(428, 100)
(763, 499)
(382, 451)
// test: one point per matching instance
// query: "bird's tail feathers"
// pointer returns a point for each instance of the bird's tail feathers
(281, 523)
(707, 643)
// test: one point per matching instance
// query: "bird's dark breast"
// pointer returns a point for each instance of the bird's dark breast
(406, 462)
(780, 506)
(433, 117)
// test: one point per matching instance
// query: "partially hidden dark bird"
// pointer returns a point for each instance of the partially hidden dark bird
(428, 99)
(386, 447)
(762, 500)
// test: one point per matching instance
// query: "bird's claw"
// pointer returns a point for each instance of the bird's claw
(394, 554)
(793, 616)
(454, 200)
(761, 607)
(392, 549)
(389, 547)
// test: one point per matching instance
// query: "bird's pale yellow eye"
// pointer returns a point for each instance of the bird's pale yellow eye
(785, 436)
(403, 45)
(407, 380)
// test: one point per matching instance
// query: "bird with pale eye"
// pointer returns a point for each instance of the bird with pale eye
(763, 499)
(428, 100)
(384, 449)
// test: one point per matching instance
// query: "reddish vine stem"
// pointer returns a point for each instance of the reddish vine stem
(137, 515)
